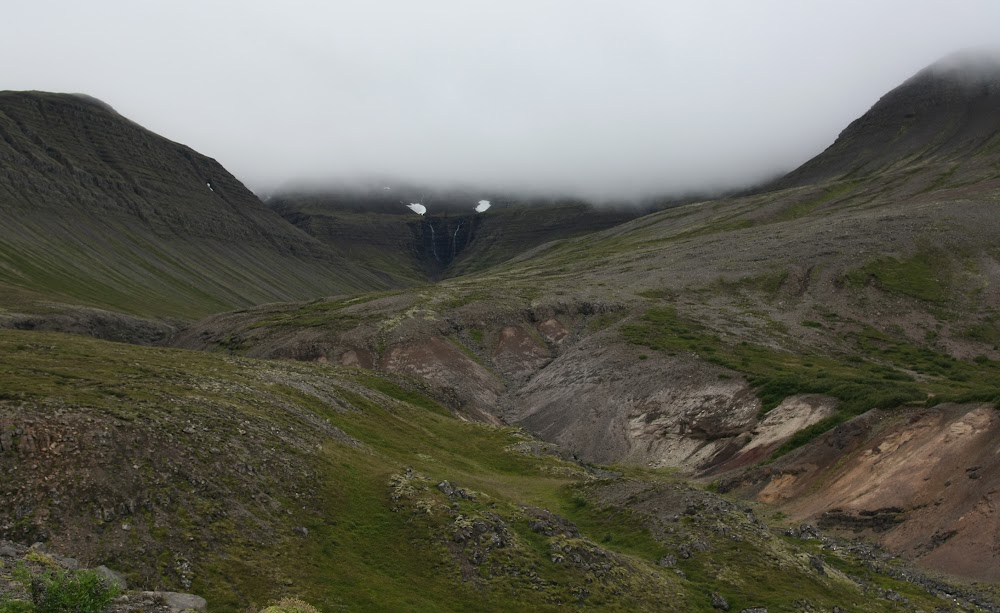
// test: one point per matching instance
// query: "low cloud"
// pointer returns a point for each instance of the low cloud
(597, 99)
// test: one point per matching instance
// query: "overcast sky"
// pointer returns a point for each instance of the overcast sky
(602, 98)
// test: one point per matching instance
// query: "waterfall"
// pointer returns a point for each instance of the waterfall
(454, 240)
(433, 242)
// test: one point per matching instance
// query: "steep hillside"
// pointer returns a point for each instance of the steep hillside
(945, 114)
(711, 337)
(101, 212)
(451, 238)
(899, 478)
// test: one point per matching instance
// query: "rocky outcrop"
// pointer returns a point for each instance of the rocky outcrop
(102, 324)
(607, 402)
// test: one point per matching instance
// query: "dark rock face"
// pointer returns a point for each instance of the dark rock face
(98, 323)
(70, 154)
(947, 111)
(443, 238)
(448, 240)
(878, 520)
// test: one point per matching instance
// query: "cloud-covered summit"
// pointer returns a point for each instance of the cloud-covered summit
(599, 99)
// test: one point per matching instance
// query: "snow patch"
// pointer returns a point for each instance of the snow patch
(210, 186)
(417, 208)
(482, 206)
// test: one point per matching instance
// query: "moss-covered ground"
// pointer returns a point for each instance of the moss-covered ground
(322, 519)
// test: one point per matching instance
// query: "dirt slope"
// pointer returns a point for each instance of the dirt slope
(924, 482)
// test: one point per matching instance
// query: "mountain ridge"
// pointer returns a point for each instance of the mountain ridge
(945, 111)
(104, 212)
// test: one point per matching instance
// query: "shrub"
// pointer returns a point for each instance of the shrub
(17, 606)
(68, 592)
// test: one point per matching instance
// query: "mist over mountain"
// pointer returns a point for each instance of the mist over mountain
(946, 112)
(589, 100)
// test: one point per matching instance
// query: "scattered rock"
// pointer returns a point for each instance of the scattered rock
(719, 602)
(453, 491)
(545, 522)
(893, 596)
(112, 577)
(180, 603)
(446, 489)
(805, 532)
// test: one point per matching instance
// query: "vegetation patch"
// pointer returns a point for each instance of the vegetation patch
(926, 275)
(716, 227)
(829, 194)
(58, 590)
(403, 394)
(882, 379)
(321, 313)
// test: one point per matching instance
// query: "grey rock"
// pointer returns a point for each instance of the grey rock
(446, 488)
(112, 577)
(179, 603)
(755, 610)
(301, 530)
(8, 551)
(719, 602)
(893, 595)
(70, 563)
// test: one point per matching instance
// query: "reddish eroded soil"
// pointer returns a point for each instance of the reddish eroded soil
(924, 483)
(778, 425)
(553, 330)
(470, 388)
(518, 354)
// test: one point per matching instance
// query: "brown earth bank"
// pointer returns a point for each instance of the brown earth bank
(922, 482)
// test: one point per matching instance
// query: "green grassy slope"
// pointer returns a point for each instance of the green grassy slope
(246, 481)
(101, 212)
